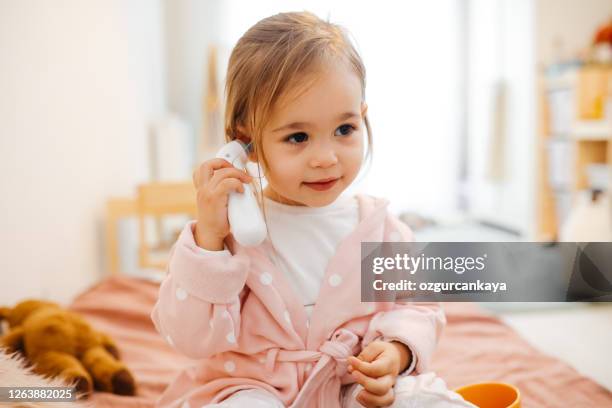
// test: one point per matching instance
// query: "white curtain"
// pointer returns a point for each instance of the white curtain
(411, 52)
(501, 57)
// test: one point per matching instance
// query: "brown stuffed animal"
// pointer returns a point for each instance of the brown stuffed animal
(60, 343)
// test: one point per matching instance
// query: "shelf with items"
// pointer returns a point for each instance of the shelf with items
(591, 130)
(575, 141)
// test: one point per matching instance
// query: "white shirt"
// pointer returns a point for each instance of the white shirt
(306, 238)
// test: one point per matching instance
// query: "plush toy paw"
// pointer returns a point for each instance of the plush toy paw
(109, 375)
(123, 383)
(81, 380)
(119, 382)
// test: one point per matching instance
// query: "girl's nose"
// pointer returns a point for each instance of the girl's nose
(324, 157)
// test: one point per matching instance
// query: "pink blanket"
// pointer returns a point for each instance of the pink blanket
(475, 346)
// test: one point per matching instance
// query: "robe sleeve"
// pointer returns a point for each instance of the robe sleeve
(418, 325)
(198, 306)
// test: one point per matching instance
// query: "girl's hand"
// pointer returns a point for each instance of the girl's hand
(376, 369)
(213, 181)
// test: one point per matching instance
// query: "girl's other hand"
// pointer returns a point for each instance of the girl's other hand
(213, 180)
(376, 369)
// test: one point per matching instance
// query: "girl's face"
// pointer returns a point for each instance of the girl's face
(316, 136)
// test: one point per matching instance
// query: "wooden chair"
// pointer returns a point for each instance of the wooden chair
(158, 200)
(153, 200)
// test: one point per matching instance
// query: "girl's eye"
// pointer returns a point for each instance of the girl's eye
(299, 137)
(346, 129)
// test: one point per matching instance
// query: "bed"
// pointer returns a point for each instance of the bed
(475, 346)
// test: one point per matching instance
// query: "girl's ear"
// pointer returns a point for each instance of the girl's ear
(246, 139)
(242, 135)
(364, 108)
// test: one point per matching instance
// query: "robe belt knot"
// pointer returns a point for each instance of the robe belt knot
(339, 348)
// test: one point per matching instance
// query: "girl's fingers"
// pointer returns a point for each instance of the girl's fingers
(225, 173)
(376, 386)
(229, 184)
(205, 171)
(371, 400)
(371, 351)
(376, 368)
(382, 385)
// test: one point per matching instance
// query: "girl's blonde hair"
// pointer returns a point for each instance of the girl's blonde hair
(273, 58)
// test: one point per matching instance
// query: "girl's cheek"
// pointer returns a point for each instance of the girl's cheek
(355, 150)
(285, 170)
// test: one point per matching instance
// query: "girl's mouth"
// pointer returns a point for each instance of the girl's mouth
(322, 186)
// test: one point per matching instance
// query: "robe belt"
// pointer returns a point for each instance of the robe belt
(323, 384)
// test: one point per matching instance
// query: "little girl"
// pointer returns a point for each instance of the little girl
(282, 324)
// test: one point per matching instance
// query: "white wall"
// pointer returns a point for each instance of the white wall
(79, 81)
(192, 26)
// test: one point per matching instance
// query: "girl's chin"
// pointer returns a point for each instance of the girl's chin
(307, 197)
(321, 199)
(283, 200)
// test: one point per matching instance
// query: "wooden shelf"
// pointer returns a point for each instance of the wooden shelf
(588, 152)
(592, 130)
(589, 138)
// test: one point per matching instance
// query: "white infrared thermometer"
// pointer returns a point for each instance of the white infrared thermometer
(244, 215)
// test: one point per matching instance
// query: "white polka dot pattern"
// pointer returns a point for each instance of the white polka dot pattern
(181, 294)
(229, 366)
(265, 278)
(335, 280)
(230, 337)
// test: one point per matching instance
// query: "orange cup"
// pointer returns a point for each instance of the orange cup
(491, 395)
